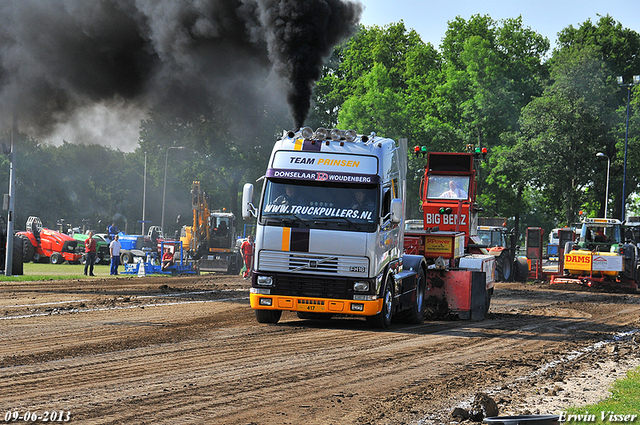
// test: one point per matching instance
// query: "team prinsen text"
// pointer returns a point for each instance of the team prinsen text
(325, 161)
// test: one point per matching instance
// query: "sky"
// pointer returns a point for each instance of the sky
(546, 17)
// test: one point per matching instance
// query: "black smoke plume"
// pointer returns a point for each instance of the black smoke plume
(60, 56)
(299, 35)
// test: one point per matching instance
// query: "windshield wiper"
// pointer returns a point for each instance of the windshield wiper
(288, 221)
(348, 222)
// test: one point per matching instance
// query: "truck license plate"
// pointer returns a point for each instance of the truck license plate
(310, 307)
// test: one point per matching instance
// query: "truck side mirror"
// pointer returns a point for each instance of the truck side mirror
(396, 210)
(248, 210)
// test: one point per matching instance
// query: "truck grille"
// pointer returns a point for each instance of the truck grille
(283, 261)
(308, 286)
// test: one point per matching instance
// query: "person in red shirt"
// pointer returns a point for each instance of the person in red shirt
(167, 259)
(247, 254)
(89, 254)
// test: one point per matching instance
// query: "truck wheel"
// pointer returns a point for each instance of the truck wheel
(27, 249)
(416, 312)
(268, 316)
(523, 269)
(232, 268)
(504, 267)
(17, 267)
(56, 258)
(487, 300)
(382, 320)
(125, 257)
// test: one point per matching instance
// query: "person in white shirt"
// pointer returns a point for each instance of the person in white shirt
(114, 251)
(454, 191)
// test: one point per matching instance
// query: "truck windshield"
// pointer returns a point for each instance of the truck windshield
(320, 205)
(491, 237)
(600, 233)
(454, 187)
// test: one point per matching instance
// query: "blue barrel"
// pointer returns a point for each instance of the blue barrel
(523, 420)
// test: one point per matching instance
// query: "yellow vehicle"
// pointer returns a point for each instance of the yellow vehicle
(600, 256)
(211, 240)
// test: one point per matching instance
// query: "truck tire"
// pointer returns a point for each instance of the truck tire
(487, 300)
(523, 269)
(268, 316)
(233, 268)
(27, 249)
(17, 267)
(56, 258)
(382, 320)
(416, 313)
(504, 267)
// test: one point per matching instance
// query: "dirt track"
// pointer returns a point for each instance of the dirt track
(188, 350)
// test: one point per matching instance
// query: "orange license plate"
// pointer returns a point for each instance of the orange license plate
(310, 307)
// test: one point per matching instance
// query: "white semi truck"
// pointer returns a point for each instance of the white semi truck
(329, 236)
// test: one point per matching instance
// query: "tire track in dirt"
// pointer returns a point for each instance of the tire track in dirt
(213, 363)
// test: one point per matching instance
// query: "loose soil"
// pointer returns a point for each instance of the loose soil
(188, 350)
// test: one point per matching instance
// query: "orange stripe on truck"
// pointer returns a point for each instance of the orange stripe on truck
(286, 238)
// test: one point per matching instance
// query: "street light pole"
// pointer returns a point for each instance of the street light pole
(636, 81)
(144, 191)
(164, 190)
(606, 196)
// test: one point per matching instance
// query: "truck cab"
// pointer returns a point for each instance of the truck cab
(600, 234)
(329, 236)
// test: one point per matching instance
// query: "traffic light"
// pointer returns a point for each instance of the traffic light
(480, 153)
(445, 210)
(420, 151)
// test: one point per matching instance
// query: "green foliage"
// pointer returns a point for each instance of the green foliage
(624, 400)
(491, 84)
(43, 272)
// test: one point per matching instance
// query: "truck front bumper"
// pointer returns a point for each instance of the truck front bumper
(314, 305)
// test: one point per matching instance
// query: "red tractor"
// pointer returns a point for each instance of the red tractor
(449, 239)
(48, 245)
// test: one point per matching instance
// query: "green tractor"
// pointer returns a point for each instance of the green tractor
(102, 248)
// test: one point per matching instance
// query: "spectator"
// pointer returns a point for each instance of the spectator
(112, 230)
(247, 254)
(167, 259)
(90, 254)
(114, 251)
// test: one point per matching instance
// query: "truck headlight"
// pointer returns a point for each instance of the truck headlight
(261, 291)
(361, 286)
(365, 297)
(264, 280)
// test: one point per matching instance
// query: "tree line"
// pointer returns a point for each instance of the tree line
(543, 114)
